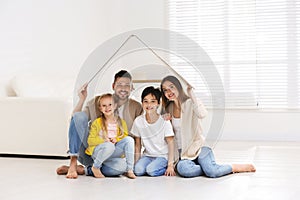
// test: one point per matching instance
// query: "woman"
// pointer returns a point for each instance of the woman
(185, 113)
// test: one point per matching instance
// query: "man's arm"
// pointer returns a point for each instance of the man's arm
(82, 93)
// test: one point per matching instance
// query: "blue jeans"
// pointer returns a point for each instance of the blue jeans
(78, 133)
(153, 166)
(205, 164)
(111, 167)
(108, 150)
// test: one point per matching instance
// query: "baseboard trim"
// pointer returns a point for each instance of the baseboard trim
(34, 156)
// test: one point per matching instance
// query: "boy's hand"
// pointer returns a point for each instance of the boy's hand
(170, 171)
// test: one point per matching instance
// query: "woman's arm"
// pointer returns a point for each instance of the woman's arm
(198, 106)
(170, 169)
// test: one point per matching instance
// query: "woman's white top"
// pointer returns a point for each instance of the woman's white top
(176, 123)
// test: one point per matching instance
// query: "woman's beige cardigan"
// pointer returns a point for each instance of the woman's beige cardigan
(191, 129)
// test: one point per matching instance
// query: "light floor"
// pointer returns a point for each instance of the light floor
(277, 177)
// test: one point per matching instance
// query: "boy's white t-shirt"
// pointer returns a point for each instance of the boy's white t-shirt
(153, 135)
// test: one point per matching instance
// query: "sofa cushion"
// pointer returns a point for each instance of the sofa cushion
(43, 85)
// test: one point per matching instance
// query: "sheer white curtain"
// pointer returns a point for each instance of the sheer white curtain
(253, 44)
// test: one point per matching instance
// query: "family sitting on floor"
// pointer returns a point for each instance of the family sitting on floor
(107, 136)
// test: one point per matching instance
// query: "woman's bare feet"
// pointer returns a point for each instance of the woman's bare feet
(130, 174)
(236, 168)
(97, 173)
(63, 170)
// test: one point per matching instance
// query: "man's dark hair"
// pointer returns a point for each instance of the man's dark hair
(151, 90)
(122, 73)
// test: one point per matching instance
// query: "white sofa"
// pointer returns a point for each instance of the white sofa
(35, 113)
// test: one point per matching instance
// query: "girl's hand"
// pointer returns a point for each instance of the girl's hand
(170, 171)
(113, 140)
(167, 116)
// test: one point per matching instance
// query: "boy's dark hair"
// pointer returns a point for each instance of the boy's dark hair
(122, 73)
(151, 90)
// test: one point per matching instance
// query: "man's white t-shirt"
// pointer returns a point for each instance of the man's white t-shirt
(153, 135)
(121, 111)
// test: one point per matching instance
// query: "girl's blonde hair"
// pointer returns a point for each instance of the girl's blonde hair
(116, 114)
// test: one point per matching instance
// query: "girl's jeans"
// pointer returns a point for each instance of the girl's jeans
(78, 133)
(205, 164)
(108, 150)
(153, 166)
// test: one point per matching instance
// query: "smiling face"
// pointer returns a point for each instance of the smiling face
(122, 87)
(150, 103)
(170, 91)
(107, 105)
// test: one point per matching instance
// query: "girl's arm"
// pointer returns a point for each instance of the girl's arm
(137, 148)
(170, 169)
(124, 128)
(94, 138)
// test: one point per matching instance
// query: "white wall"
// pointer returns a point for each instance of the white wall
(56, 36)
(254, 125)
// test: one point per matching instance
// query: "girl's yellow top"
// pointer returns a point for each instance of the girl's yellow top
(95, 139)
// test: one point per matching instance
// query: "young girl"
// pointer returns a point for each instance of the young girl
(185, 113)
(156, 134)
(108, 137)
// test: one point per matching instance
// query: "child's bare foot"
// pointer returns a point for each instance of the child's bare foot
(97, 173)
(236, 168)
(130, 174)
(63, 170)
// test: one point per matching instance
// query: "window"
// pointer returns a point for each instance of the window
(254, 45)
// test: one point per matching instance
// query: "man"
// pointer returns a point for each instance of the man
(128, 109)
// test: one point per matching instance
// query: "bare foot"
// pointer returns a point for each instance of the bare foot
(130, 174)
(97, 173)
(63, 170)
(72, 172)
(236, 168)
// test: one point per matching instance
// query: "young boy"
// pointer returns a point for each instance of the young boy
(156, 135)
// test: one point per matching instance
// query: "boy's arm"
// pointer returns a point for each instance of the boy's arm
(137, 148)
(170, 169)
